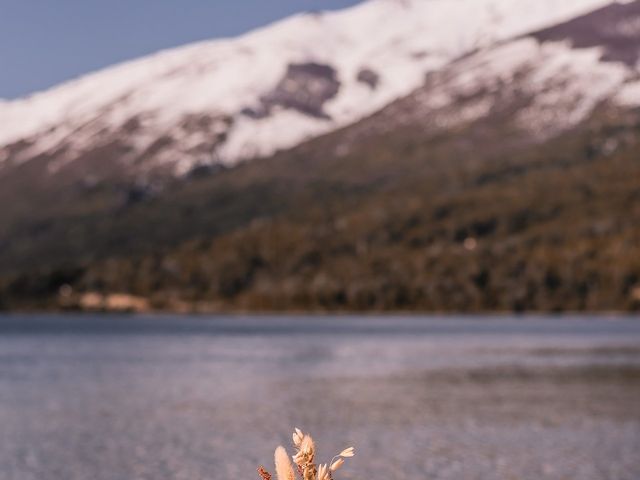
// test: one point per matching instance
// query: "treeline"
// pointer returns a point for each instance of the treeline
(547, 228)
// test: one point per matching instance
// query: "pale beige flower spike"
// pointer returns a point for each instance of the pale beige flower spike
(304, 460)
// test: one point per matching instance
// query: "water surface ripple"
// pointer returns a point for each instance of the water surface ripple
(105, 397)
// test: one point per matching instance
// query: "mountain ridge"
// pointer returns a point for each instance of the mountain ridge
(164, 116)
(506, 180)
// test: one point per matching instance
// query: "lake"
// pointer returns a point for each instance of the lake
(100, 397)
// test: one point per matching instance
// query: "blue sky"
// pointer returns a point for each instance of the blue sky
(44, 42)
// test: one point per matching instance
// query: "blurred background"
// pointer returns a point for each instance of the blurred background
(408, 225)
(392, 155)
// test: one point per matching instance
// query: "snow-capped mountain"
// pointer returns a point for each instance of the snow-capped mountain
(229, 100)
(543, 83)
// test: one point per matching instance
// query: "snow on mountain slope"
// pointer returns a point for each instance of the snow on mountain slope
(535, 86)
(545, 87)
(229, 100)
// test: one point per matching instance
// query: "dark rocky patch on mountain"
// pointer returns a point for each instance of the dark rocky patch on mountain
(615, 28)
(305, 87)
(369, 77)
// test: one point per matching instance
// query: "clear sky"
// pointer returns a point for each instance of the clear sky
(44, 42)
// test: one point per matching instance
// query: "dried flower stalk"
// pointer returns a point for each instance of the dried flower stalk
(304, 459)
(284, 469)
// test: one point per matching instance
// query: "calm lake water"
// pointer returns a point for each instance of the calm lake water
(184, 397)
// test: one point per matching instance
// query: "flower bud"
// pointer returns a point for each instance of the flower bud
(347, 452)
(337, 464)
